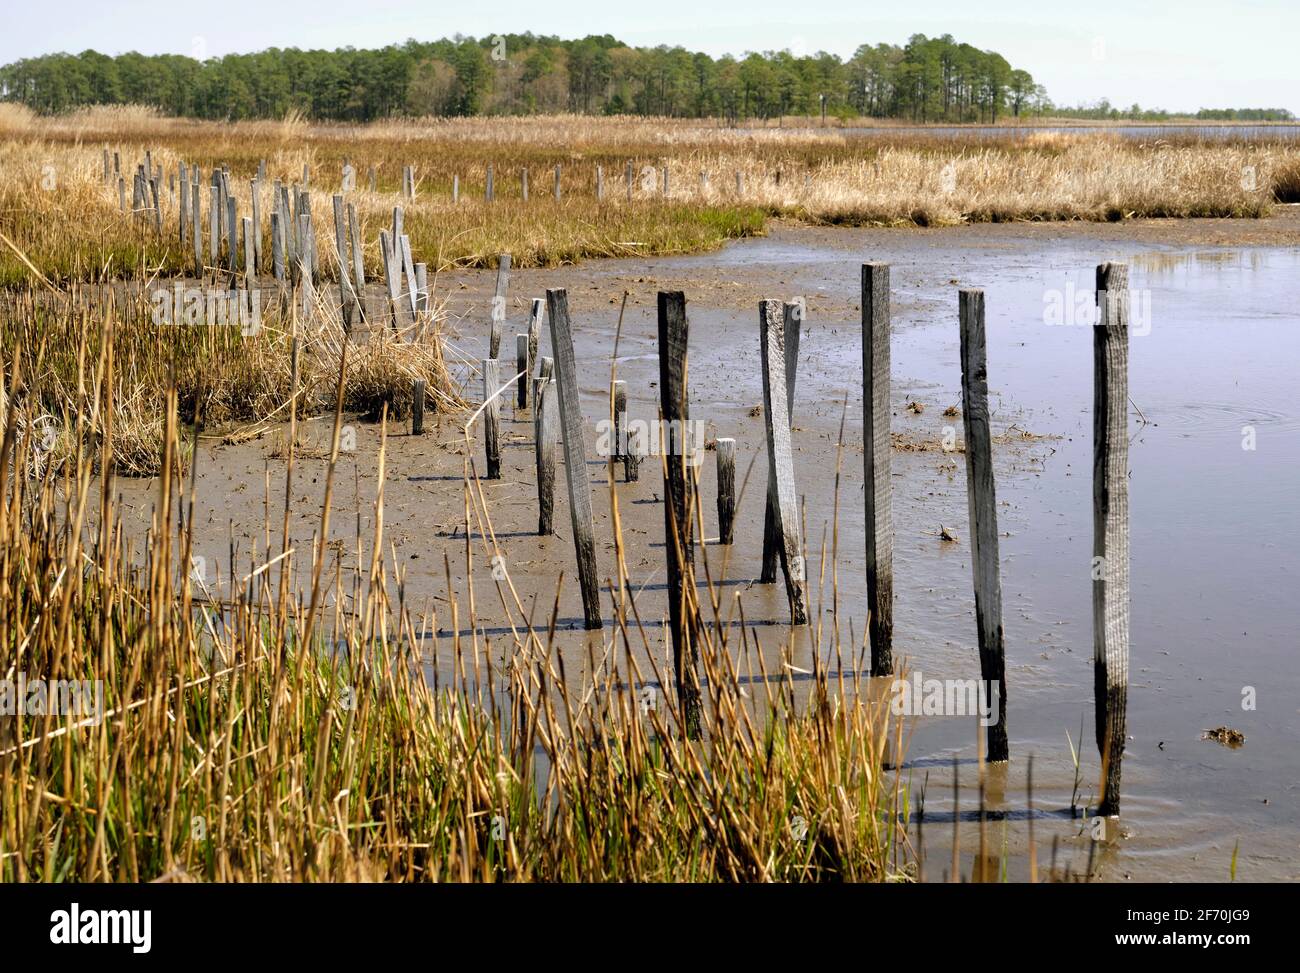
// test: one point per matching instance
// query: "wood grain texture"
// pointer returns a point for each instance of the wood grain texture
(726, 457)
(575, 454)
(793, 312)
(417, 407)
(982, 506)
(547, 430)
(1110, 527)
(876, 466)
(679, 541)
(776, 419)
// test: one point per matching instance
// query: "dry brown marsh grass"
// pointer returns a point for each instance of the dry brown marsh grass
(55, 208)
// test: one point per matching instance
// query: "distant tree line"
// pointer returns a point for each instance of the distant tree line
(925, 80)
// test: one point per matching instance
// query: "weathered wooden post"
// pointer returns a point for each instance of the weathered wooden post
(618, 447)
(196, 229)
(523, 184)
(776, 418)
(106, 167)
(455, 190)
(534, 333)
(546, 428)
(121, 194)
(793, 319)
(557, 183)
(408, 265)
(521, 366)
(664, 188)
(232, 227)
(740, 183)
(392, 274)
(575, 453)
(492, 417)
(627, 178)
(341, 246)
(489, 193)
(250, 264)
(982, 502)
(358, 259)
(499, 305)
(1110, 526)
(277, 245)
(421, 287)
(726, 490)
(182, 201)
(214, 229)
(600, 184)
(372, 178)
(255, 199)
(679, 541)
(876, 473)
(417, 407)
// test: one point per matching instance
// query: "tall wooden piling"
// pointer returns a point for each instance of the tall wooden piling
(546, 428)
(277, 245)
(776, 418)
(627, 179)
(196, 229)
(489, 192)
(876, 466)
(726, 454)
(793, 316)
(575, 453)
(982, 502)
(1110, 526)
(523, 184)
(600, 184)
(232, 227)
(679, 540)
(557, 183)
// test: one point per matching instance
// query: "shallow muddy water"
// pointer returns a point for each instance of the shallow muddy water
(1215, 532)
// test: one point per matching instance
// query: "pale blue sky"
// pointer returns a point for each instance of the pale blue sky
(1188, 55)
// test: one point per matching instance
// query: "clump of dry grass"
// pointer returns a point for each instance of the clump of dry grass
(222, 376)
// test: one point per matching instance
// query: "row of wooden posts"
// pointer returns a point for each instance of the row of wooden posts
(551, 384)
(295, 254)
(147, 183)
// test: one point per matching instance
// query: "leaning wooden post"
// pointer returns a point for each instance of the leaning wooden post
(982, 502)
(499, 305)
(726, 451)
(876, 461)
(492, 417)
(417, 408)
(521, 366)
(793, 314)
(674, 407)
(575, 453)
(776, 418)
(546, 428)
(358, 260)
(1110, 526)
